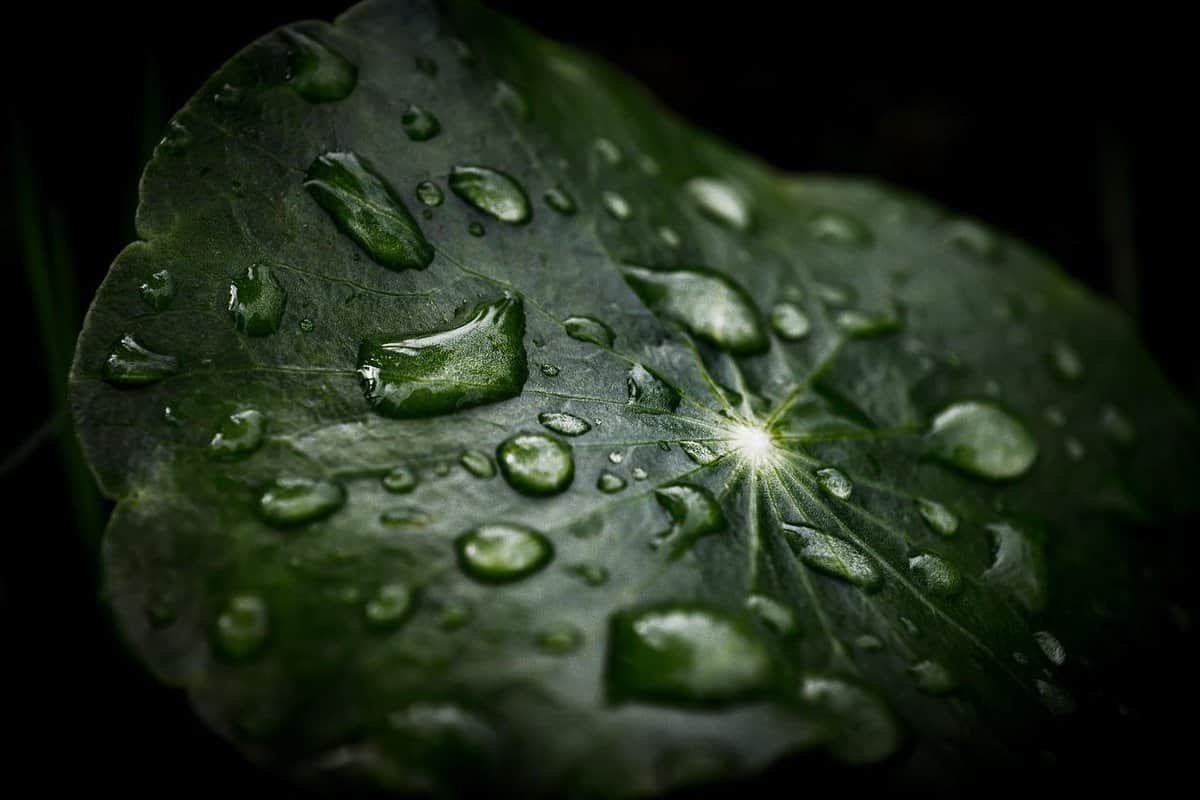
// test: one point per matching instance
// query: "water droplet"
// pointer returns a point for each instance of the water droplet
(685, 655)
(933, 678)
(608, 151)
(454, 616)
(388, 607)
(698, 453)
(861, 324)
(368, 211)
(306, 325)
(158, 290)
(940, 519)
(477, 463)
(693, 513)
(591, 574)
(981, 439)
(1075, 449)
(720, 202)
(775, 615)
(476, 230)
(834, 483)
(426, 66)
(868, 731)
(479, 360)
(1055, 416)
(1018, 565)
(1066, 362)
(560, 641)
(405, 517)
(616, 205)
(841, 229)
(639, 474)
(550, 371)
(130, 364)
(291, 501)
(511, 101)
(495, 193)
(650, 393)
(228, 96)
(429, 194)
(536, 463)
(869, 643)
(560, 201)
(400, 480)
(972, 238)
(257, 300)
(240, 435)
(937, 575)
(708, 304)
(419, 123)
(610, 483)
(910, 626)
(1056, 699)
(833, 556)
(176, 139)
(566, 424)
(1051, 647)
(833, 296)
(669, 237)
(789, 322)
(1117, 426)
(319, 74)
(616, 457)
(500, 552)
(242, 628)
(589, 329)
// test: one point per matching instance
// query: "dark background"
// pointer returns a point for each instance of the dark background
(1074, 133)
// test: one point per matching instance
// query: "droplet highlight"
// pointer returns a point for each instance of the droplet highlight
(536, 463)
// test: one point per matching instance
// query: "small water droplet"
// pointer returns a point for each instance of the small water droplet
(707, 303)
(720, 201)
(616, 205)
(669, 237)
(365, 208)
(1075, 449)
(789, 322)
(591, 574)
(610, 483)
(389, 607)
(130, 364)
(936, 574)
(775, 615)
(463, 51)
(833, 296)
(698, 453)
(477, 463)
(228, 96)
(1051, 647)
(693, 513)
(510, 100)
(862, 324)
(176, 139)
(560, 201)
(835, 483)
(419, 123)
(536, 463)
(240, 435)
(1117, 426)
(318, 73)
(257, 300)
(158, 290)
(833, 556)
(501, 553)
(306, 325)
(405, 517)
(933, 678)
(1018, 565)
(982, 440)
(650, 393)
(589, 329)
(559, 641)
(910, 627)
(608, 151)
(243, 627)
(686, 655)
(429, 194)
(292, 501)
(840, 229)
(454, 616)
(401, 480)
(940, 519)
(479, 360)
(616, 457)
(1055, 416)
(441, 469)
(475, 229)
(495, 193)
(972, 238)
(550, 371)
(565, 424)
(868, 643)
(1066, 362)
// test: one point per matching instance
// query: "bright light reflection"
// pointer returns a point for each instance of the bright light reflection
(753, 444)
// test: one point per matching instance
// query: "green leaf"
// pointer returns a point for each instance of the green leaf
(682, 466)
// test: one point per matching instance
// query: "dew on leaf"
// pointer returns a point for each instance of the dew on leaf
(940, 519)
(834, 483)
(1056, 699)
(240, 434)
(862, 324)
(565, 424)
(648, 392)
(609, 152)
(933, 678)
(1066, 362)
(982, 440)
(292, 501)
(591, 574)
(1051, 647)
(242, 627)
(257, 300)
(832, 556)
(610, 483)
(549, 370)
(319, 73)
(177, 138)
(536, 463)
(130, 364)
(867, 730)
(509, 99)
(639, 474)
(429, 194)
(306, 325)
(401, 480)
(477, 463)
(693, 513)
(1117, 426)
(389, 607)
(501, 552)
(720, 201)
(158, 290)
(560, 640)
(475, 229)
(669, 237)
(841, 229)
(775, 615)
(495, 193)
(869, 643)
(789, 322)
(1018, 565)
(936, 574)
(708, 304)
(1075, 449)
(454, 616)
(616, 457)
(589, 329)
(419, 123)
(972, 238)
(699, 453)
(559, 200)
(405, 517)
(833, 296)
(616, 205)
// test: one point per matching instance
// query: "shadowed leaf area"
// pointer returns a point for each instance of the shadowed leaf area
(472, 422)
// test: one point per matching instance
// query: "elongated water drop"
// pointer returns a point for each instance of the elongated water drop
(400, 480)
(240, 434)
(158, 290)
(293, 501)
(242, 627)
(591, 574)
(685, 655)
(835, 483)
(429, 194)
(368, 211)
(841, 229)
(983, 440)
(536, 463)
(608, 151)
(405, 517)
(319, 73)
(616, 205)
(933, 678)
(130, 364)
(789, 322)
(566, 424)
(589, 329)
(510, 100)
(1018, 565)
(936, 574)
(477, 463)
(693, 513)
(708, 304)
(495, 193)
(479, 360)
(560, 201)
(1066, 362)
(502, 552)
(720, 202)
(419, 123)
(775, 615)
(559, 640)
(862, 324)
(257, 300)
(699, 453)
(648, 392)
(1051, 647)
(940, 519)
(833, 556)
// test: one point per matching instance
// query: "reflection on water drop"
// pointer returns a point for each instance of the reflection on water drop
(129, 364)
(257, 300)
(536, 463)
(983, 440)
(158, 290)
(495, 193)
(502, 553)
(565, 424)
(720, 201)
(242, 627)
(833, 556)
(293, 501)
(240, 435)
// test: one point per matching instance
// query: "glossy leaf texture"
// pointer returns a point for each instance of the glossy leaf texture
(557, 445)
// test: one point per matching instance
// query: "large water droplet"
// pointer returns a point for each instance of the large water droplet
(240, 435)
(835, 483)
(477, 463)
(983, 440)
(495, 193)
(257, 300)
(292, 501)
(720, 202)
(566, 424)
(1066, 362)
(429, 194)
(536, 463)
(242, 628)
(400, 480)
(650, 393)
(833, 556)
(158, 290)
(560, 201)
(867, 732)
(319, 74)
(389, 607)
(1018, 565)
(775, 615)
(479, 360)
(706, 303)
(940, 519)
(419, 123)
(693, 513)
(368, 211)
(933, 678)
(129, 364)
(936, 574)
(685, 655)
(589, 329)
(789, 322)
(500, 552)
